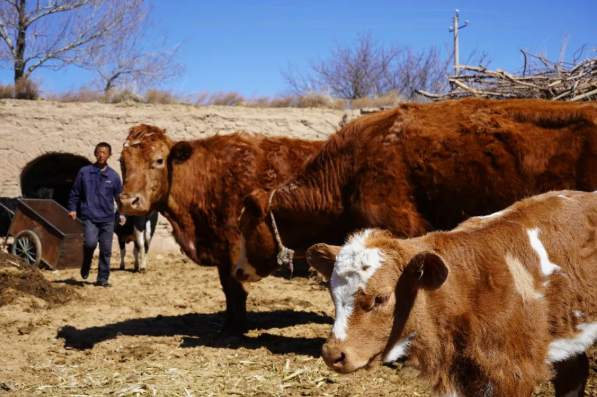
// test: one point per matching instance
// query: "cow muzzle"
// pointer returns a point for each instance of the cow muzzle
(338, 357)
(131, 204)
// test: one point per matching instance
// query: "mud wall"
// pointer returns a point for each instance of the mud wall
(30, 129)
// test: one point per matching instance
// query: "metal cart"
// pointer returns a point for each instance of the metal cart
(45, 234)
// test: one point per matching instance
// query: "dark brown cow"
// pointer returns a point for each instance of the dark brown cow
(488, 309)
(421, 167)
(199, 185)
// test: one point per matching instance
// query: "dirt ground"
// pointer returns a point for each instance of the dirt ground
(156, 334)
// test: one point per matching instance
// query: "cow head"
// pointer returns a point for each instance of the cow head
(374, 282)
(144, 170)
(259, 251)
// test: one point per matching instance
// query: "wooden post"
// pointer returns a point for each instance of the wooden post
(455, 20)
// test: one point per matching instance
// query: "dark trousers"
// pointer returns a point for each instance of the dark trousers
(94, 232)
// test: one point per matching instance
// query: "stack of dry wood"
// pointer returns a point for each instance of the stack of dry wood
(542, 79)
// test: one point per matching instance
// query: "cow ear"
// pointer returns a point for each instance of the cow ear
(430, 270)
(255, 203)
(322, 258)
(181, 152)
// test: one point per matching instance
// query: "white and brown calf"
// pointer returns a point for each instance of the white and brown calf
(139, 230)
(491, 308)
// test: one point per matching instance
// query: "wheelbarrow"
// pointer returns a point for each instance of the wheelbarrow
(44, 234)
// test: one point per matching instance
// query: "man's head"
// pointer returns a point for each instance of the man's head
(102, 153)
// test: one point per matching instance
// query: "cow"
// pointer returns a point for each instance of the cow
(421, 167)
(199, 187)
(139, 230)
(490, 308)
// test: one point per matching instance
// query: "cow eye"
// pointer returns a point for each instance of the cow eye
(381, 299)
(160, 161)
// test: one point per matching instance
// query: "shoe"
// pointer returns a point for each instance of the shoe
(84, 274)
(103, 284)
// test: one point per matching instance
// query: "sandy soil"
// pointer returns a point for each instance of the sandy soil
(156, 334)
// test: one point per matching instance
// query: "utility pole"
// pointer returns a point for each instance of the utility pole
(454, 29)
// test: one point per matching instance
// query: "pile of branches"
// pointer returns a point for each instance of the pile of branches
(540, 78)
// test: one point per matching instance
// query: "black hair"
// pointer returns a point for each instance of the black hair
(103, 144)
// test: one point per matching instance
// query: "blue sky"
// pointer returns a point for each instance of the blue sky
(242, 45)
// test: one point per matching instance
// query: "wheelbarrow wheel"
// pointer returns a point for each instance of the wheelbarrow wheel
(26, 245)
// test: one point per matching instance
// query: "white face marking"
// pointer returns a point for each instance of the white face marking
(562, 349)
(399, 350)
(546, 266)
(523, 281)
(243, 264)
(577, 313)
(354, 266)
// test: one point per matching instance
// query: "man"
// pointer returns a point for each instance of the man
(93, 194)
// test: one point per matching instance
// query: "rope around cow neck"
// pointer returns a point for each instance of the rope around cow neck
(285, 254)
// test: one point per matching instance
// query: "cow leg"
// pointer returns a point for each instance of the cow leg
(236, 301)
(147, 240)
(122, 245)
(136, 254)
(571, 376)
(139, 248)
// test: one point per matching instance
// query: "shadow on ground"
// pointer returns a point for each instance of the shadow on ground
(201, 329)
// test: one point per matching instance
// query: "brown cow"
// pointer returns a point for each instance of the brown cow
(486, 309)
(421, 167)
(199, 185)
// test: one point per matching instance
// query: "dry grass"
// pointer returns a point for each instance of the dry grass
(227, 99)
(82, 94)
(27, 89)
(119, 96)
(389, 99)
(7, 91)
(30, 89)
(24, 89)
(160, 97)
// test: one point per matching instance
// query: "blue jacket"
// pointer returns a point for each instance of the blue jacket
(94, 192)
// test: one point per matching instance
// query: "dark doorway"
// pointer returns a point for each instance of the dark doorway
(51, 176)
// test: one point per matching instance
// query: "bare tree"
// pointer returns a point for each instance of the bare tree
(348, 72)
(86, 33)
(133, 60)
(369, 69)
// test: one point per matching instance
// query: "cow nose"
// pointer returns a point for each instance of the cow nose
(338, 359)
(129, 200)
(240, 275)
(334, 358)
